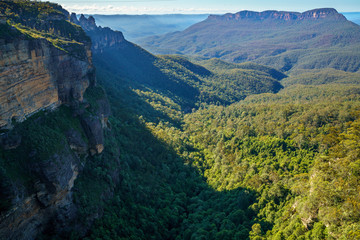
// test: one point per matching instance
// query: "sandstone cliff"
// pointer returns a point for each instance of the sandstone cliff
(34, 75)
(45, 62)
(101, 37)
(38, 73)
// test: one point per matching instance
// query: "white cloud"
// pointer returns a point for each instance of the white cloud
(111, 9)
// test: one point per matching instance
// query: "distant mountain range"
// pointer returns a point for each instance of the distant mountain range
(138, 26)
(318, 38)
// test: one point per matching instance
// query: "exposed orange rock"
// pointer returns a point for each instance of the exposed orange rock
(34, 75)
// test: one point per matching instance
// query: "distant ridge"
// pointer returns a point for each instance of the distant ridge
(318, 38)
(314, 14)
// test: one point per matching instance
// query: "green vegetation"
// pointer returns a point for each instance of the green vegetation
(321, 76)
(255, 169)
(40, 137)
(42, 20)
(142, 185)
(187, 83)
(7, 33)
(274, 146)
(204, 149)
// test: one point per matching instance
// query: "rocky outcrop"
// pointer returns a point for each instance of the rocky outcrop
(50, 202)
(73, 19)
(94, 132)
(76, 142)
(101, 37)
(88, 24)
(38, 73)
(322, 13)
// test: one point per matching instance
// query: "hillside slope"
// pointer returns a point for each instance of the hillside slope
(319, 38)
(267, 157)
(175, 76)
(180, 157)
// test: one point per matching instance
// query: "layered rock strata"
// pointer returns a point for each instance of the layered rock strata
(45, 62)
(35, 75)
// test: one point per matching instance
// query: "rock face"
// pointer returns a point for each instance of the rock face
(35, 75)
(101, 37)
(94, 132)
(314, 14)
(44, 63)
(44, 60)
(51, 201)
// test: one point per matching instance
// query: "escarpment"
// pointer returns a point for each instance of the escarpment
(36, 75)
(45, 64)
(284, 40)
(41, 65)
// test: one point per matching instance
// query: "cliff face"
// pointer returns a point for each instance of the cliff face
(34, 75)
(45, 61)
(42, 67)
(51, 203)
(101, 37)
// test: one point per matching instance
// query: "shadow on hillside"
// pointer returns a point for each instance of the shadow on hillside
(139, 67)
(144, 190)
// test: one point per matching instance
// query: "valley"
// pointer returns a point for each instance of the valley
(238, 138)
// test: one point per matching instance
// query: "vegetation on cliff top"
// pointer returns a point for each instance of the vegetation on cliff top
(39, 20)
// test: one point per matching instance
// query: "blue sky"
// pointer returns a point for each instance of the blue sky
(201, 6)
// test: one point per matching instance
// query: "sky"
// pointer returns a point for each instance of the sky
(201, 6)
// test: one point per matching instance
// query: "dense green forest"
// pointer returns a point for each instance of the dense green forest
(273, 166)
(279, 165)
(185, 82)
(44, 20)
(198, 149)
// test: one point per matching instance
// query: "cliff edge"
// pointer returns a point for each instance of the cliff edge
(45, 60)
(45, 63)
